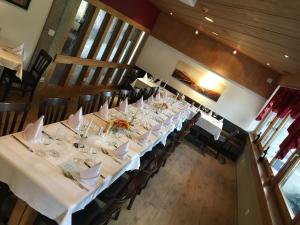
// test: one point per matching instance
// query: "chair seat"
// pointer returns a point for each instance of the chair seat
(86, 216)
(114, 189)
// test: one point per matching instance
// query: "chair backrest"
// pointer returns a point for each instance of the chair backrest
(123, 94)
(138, 93)
(155, 91)
(12, 117)
(147, 93)
(108, 96)
(41, 63)
(87, 102)
(53, 109)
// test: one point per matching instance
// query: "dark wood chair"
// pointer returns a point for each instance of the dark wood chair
(12, 117)
(147, 93)
(30, 78)
(108, 96)
(123, 94)
(138, 94)
(87, 102)
(155, 91)
(54, 109)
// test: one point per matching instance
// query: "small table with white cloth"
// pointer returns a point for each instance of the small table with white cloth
(11, 60)
(208, 123)
(143, 83)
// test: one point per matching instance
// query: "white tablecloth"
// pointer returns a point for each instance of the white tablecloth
(38, 180)
(11, 60)
(143, 83)
(208, 123)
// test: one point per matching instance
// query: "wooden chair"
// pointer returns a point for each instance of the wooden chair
(30, 78)
(54, 109)
(138, 94)
(123, 94)
(147, 93)
(108, 96)
(155, 91)
(12, 117)
(87, 102)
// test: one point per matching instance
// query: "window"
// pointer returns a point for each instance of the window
(278, 140)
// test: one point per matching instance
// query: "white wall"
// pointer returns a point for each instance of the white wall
(237, 103)
(18, 25)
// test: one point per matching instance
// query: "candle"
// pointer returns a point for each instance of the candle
(87, 129)
(166, 84)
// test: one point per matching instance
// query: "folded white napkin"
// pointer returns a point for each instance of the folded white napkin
(157, 97)
(104, 111)
(150, 99)
(122, 150)
(157, 128)
(176, 116)
(76, 120)
(33, 131)
(140, 103)
(20, 49)
(168, 121)
(145, 137)
(123, 107)
(91, 175)
(146, 76)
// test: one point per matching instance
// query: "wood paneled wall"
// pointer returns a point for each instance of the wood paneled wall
(215, 55)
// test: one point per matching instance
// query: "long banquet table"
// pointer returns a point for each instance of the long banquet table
(36, 176)
(11, 60)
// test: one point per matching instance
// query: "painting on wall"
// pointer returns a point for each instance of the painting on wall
(21, 3)
(204, 82)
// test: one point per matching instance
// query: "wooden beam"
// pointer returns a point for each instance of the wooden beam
(126, 58)
(116, 13)
(71, 60)
(82, 44)
(110, 46)
(121, 48)
(263, 122)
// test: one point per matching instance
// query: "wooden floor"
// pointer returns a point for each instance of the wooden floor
(192, 189)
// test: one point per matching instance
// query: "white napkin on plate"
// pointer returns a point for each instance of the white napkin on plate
(146, 76)
(145, 137)
(20, 49)
(91, 175)
(122, 150)
(123, 107)
(76, 120)
(140, 103)
(103, 112)
(157, 97)
(150, 99)
(168, 121)
(157, 128)
(33, 131)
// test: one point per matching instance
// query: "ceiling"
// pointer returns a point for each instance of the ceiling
(265, 30)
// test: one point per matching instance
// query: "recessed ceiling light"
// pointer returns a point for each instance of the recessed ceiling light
(171, 13)
(196, 31)
(215, 33)
(234, 52)
(268, 64)
(286, 56)
(209, 19)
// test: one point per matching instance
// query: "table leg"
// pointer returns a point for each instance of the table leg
(22, 214)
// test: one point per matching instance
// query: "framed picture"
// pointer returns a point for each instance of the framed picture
(204, 82)
(21, 3)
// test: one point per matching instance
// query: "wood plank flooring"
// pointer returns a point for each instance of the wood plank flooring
(192, 189)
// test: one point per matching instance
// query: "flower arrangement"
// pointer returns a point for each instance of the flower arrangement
(120, 123)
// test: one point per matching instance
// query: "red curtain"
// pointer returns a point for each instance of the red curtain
(291, 141)
(281, 103)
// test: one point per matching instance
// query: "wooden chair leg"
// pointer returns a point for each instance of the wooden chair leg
(131, 202)
(117, 214)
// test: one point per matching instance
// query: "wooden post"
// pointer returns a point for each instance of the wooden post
(22, 214)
